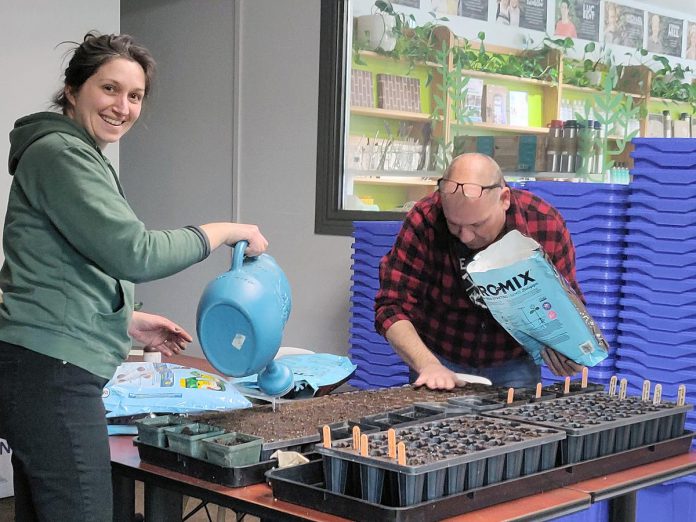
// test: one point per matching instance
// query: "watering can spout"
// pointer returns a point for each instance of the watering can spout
(241, 317)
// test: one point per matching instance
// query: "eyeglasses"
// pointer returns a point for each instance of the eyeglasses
(470, 190)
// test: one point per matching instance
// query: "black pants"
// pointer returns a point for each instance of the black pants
(52, 416)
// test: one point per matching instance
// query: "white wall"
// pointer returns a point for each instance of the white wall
(31, 60)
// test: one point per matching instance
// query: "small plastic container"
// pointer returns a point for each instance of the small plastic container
(187, 439)
(151, 430)
(233, 449)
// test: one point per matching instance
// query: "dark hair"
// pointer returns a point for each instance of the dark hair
(94, 51)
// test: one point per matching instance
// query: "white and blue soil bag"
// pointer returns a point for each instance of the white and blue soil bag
(533, 302)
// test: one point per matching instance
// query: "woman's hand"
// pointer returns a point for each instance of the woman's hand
(155, 331)
(232, 233)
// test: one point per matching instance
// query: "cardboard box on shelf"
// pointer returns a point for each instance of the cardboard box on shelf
(681, 128)
(361, 88)
(656, 127)
(399, 93)
(495, 100)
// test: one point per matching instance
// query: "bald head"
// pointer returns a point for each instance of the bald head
(474, 168)
(476, 222)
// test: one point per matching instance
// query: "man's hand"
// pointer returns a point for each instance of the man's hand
(154, 331)
(559, 364)
(436, 377)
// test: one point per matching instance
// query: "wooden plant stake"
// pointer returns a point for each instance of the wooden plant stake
(356, 438)
(538, 390)
(391, 443)
(646, 391)
(681, 395)
(326, 433)
(363, 445)
(622, 389)
(510, 395)
(583, 383)
(612, 385)
(401, 454)
(566, 386)
(657, 396)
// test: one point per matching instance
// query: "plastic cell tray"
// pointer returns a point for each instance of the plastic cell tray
(575, 388)
(657, 323)
(596, 226)
(667, 378)
(667, 176)
(388, 370)
(662, 271)
(655, 217)
(667, 246)
(666, 311)
(662, 204)
(605, 211)
(369, 251)
(378, 227)
(306, 485)
(658, 361)
(667, 351)
(237, 476)
(652, 145)
(362, 302)
(361, 357)
(362, 238)
(664, 261)
(402, 416)
(653, 336)
(365, 260)
(365, 281)
(361, 291)
(651, 297)
(382, 347)
(444, 457)
(365, 271)
(606, 251)
(363, 313)
(647, 187)
(382, 381)
(596, 190)
(598, 424)
(665, 160)
(587, 261)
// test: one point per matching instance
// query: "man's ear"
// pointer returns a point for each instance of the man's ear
(505, 196)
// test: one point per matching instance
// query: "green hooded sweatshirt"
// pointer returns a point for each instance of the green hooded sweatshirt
(74, 248)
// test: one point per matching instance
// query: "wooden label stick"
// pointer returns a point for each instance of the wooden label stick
(681, 395)
(622, 389)
(401, 454)
(391, 443)
(356, 438)
(363, 445)
(511, 395)
(583, 383)
(538, 390)
(657, 396)
(326, 432)
(646, 391)
(612, 385)
(566, 386)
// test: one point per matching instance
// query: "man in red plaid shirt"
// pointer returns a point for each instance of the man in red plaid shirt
(427, 306)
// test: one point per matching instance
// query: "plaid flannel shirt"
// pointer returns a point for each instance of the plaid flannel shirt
(420, 280)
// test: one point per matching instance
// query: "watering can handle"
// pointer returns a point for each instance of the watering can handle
(238, 254)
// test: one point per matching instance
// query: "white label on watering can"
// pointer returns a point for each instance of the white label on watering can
(238, 341)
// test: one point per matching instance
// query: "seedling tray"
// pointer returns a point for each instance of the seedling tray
(598, 424)
(305, 485)
(444, 457)
(234, 477)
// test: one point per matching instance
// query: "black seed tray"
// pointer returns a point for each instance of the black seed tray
(344, 429)
(299, 444)
(233, 477)
(575, 388)
(305, 485)
(598, 424)
(444, 457)
(402, 416)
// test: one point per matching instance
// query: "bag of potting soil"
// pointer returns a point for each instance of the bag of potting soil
(141, 388)
(533, 302)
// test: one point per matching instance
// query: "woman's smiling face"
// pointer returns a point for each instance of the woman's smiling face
(109, 102)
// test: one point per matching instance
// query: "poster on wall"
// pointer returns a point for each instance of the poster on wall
(530, 14)
(623, 25)
(664, 34)
(577, 19)
(477, 9)
(691, 42)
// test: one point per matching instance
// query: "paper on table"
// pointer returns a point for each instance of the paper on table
(467, 378)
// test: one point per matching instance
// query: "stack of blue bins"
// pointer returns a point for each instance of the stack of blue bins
(378, 366)
(657, 329)
(595, 214)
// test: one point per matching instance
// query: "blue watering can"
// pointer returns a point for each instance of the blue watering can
(240, 320)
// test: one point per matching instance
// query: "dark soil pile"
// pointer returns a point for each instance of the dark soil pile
(302, 418)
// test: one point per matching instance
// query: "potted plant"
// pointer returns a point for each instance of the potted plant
(670, 81)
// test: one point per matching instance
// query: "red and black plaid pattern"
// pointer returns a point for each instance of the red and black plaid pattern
(420, 280)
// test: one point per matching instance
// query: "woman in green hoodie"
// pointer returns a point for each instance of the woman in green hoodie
(73, 251)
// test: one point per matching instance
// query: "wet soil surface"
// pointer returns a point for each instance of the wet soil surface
(302, 418)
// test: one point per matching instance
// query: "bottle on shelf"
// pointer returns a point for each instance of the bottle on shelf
(598, 148)
(570, 146)
(667, 122)
(554, 146)
(585, 161)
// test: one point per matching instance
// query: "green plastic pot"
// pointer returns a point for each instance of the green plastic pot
(151, 430)
(233, 449)
(187, 439)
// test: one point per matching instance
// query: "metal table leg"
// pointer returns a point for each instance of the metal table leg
(162, 505)
(124, 498)
(623, 507)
